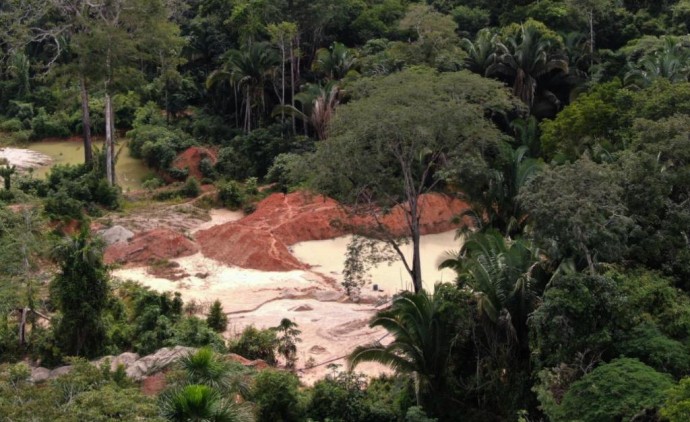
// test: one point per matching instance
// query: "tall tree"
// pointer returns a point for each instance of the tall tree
(410, 130)
(80, 292)
(421, 346)
(248, 70)
(526, 57)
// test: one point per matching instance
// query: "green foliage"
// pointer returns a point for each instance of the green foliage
(85, 393)
(45, 126)
(216, 319)
(254, 343)
(80, 292)
(191, 188)
(578, 212)
(287, 336)
(617, 390)
(677, 405)
(157, 145)
(199, 402)
(276, 395)
(343, 396)
(422, 344)
(230, 194)
(470, 19)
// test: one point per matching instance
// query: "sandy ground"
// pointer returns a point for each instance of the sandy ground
(24, 159)
(331, 326)
(326, 256)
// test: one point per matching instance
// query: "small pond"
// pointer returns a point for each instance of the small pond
(129, 171)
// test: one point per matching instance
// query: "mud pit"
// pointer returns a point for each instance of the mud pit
(308, 294)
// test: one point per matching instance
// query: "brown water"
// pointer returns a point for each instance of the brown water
(129, 171)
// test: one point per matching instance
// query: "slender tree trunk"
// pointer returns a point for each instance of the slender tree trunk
(416, 250)
(22, 327)
(292, 83)
(109, 149)
(591, 38)
(86, 122)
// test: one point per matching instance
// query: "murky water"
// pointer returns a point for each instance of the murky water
(129, 171)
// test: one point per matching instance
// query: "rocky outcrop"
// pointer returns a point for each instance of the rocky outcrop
(150, 246)
(116, 234)
(140, 368)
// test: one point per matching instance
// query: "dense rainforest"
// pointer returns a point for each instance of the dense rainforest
(563, 124)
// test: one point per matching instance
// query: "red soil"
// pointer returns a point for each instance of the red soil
(191, 157)
(149, 246)
(261, 240)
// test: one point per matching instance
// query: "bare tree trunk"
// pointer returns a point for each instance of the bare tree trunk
(416, 250)
(86, 122)
(292, 82)
(22, 327)
(591, 38)
(109, 149)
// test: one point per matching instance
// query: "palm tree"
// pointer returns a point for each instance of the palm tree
(334, 62)
(288, 337)
(421, 346)
(496, 205)
(6, 172)
(524, 59)
(248, 70)
(205, 368)
(503, 275)
(200, 403)
(481, 53)
(318, 104)
(672, 62)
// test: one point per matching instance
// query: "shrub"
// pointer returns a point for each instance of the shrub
(157, 145)
(191, 188)
(251, 186)
(193, 332)
(277, 397)
(153, 183)
(61, 205)
(230, 194)
(45, 126)
(206, 168)
(216, 319)
(12, 125)
(256, 344)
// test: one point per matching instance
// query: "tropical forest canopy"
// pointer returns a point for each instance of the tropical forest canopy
(564, 124)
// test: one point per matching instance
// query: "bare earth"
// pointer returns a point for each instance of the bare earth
(331, 326)
(24, 159)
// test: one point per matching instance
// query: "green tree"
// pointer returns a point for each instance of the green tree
(276, 396)
(248, 70)
(677, 405)
(288, 337)
(199, 403)
(216, 318)
(524, 58)
(6, 172)
(579, 213)
(504, 276)
(421, 346)
(618, 390)
(80, 291)
(334, 62)
(412, 129)
(481, 53)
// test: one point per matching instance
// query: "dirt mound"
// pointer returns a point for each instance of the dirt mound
(261, 240)
(191, 159)
(247, 247)
(149, 247)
